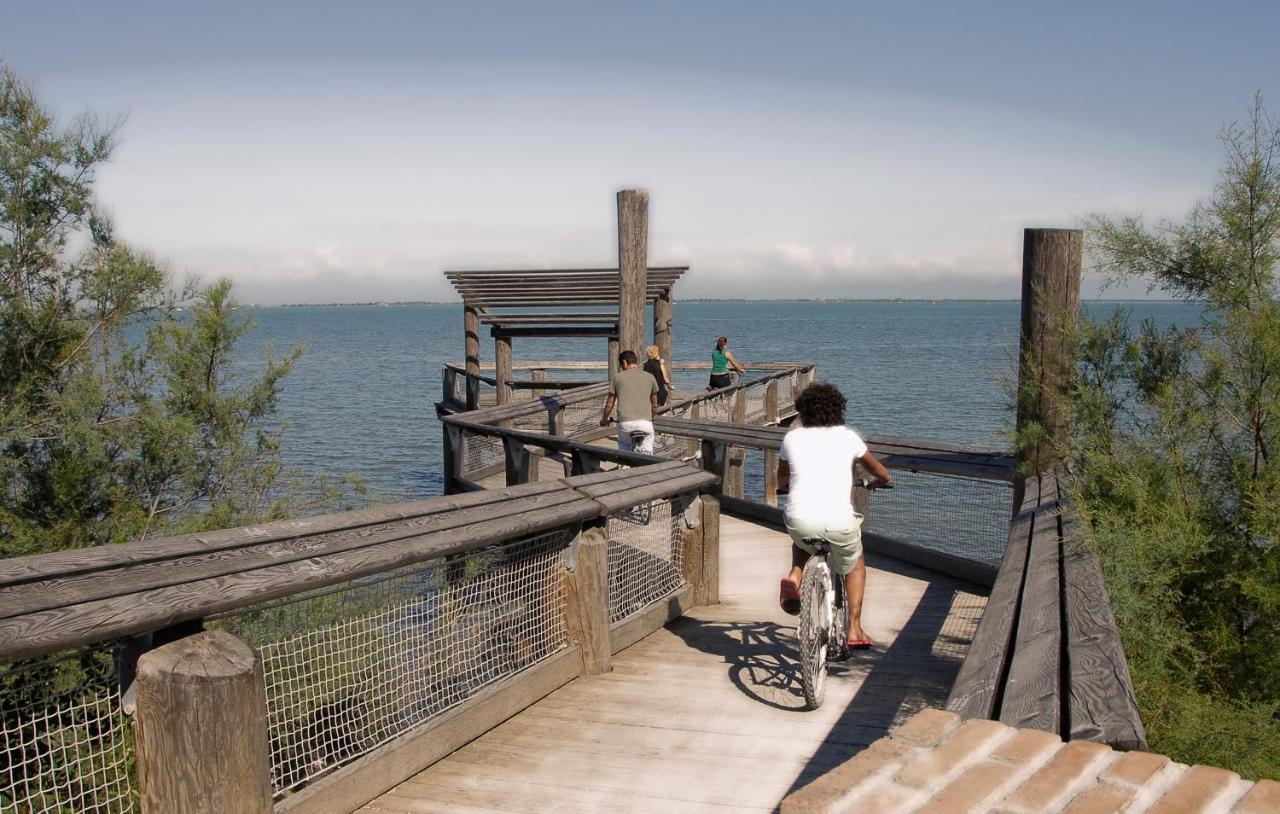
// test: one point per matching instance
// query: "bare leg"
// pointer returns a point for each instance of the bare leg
(855, 583)
(798, 558)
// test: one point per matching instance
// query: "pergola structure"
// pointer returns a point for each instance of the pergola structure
(531, 303)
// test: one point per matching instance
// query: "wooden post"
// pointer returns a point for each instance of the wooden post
(861, 496)
(710, 550)
(633, 235)
(663, 317)
(735, 481)
(454, 455)
(771, 455)
(613, 357)
(691, 552)
(713, 461)
(586, 591)
(502, 366)
(201, 731)
(516, 460)
(471, 330)
(1050, 305)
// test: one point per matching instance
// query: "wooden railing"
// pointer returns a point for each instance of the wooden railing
(1047, 654)
(312, 664)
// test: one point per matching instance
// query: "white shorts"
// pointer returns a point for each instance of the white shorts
(637, 426)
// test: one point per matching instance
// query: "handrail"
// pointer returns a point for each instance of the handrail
(593, 364)
(62, 600)
(1047, 653)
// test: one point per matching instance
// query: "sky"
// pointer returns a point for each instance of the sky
(344, 152)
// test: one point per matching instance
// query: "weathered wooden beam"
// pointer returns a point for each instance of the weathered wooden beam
(613, 351)
(201, 735)
(586, 588)
(633, 236)
(551, 331)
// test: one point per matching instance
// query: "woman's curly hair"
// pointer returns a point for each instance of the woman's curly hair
(821, 405)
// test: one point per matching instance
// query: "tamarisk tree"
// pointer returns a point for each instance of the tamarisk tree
(121, 412)
(1177, 433)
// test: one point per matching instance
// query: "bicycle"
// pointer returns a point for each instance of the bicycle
(823, 627)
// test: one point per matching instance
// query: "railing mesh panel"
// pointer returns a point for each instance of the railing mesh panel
(644, 555)
(65, 743)
(965, 517)
(480, 451)
(349, 668)
(583, 416)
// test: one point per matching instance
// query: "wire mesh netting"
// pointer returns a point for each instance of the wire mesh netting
(348, 668)
(479, 453)
(755, 403)
(965, 517)
(65, 742)
(644, 555)
(582, 416)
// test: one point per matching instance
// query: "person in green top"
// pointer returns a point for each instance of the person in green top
(721, 361)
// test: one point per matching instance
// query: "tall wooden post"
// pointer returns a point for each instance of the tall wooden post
(663, 313)
(502, 366)
(771, 455)
(1050, 305)
(471, 331)
(201, 732)
(633, 236)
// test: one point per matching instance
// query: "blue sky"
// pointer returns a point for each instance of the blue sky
(339, 152)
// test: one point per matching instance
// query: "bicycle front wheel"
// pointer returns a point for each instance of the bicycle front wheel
(813, 628)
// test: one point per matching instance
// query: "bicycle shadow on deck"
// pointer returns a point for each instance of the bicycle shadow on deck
(915, 670)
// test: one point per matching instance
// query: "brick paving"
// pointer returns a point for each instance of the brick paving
(936, 763)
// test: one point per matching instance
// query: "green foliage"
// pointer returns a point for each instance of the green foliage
(121, 412)
(1176, 434)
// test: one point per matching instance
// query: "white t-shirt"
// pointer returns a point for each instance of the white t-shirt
(821, 461)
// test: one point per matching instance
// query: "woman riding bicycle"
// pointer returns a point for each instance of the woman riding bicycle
(815, 466)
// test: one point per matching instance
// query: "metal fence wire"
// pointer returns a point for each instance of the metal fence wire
(965, 517)
(65, 742)
(349, 668)
(644, 554)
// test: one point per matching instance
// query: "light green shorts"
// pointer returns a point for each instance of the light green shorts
(845, 539)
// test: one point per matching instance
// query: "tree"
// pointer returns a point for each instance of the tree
(121, 413)
(1177, 433)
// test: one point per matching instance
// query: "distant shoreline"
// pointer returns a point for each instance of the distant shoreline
(824, 301)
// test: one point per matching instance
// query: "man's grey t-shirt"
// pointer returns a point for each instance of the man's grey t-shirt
(633, 387)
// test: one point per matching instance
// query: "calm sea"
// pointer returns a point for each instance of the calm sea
(361, 399)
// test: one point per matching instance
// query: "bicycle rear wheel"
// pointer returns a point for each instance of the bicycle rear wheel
(812, 630)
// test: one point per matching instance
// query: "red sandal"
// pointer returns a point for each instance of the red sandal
(789, 596)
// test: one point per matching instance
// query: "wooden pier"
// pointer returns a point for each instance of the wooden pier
(570, 627)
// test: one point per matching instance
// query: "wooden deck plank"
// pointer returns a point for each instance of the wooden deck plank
(706, 714)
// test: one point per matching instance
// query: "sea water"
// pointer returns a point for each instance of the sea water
(361, 398)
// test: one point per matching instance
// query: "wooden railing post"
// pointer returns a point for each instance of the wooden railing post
(502, 367)
(861, 496)
(454, 455)
(613, 357)
(450, 389)
(201, 731)
(713, 461)
(735, 457)
(771, 455)
(710, 550)
(516, 460)
(584, 463)
(586, 590)
(471, 330)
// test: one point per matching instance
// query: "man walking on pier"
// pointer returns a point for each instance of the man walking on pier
(635, 392)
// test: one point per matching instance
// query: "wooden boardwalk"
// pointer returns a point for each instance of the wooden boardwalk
(706, 714)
